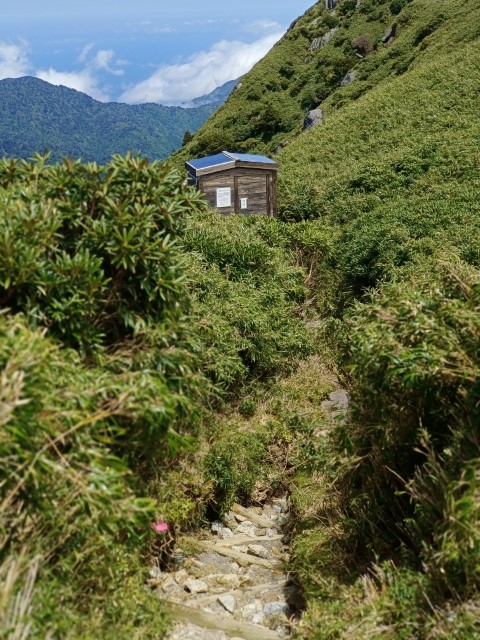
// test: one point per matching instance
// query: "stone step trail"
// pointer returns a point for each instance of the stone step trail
(235, 587)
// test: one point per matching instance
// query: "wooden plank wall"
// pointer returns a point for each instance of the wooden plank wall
(258, 185)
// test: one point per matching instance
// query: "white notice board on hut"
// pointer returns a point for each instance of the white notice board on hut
(224, 197)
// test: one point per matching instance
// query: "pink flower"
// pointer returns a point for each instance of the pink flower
(160, 526)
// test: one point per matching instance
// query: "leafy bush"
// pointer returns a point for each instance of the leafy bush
(397, 6)
(363, 44)
(415, 356)
(97, 366)
(104, 262)
(246, 293)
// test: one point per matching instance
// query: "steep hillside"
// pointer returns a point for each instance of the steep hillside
(391, 179)
(36, 116)
(165, 321)
(270, 103)
(385, 190)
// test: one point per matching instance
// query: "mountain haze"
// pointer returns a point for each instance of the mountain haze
(217, 96)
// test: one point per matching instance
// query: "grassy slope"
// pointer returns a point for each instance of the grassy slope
(393, 173)
(409, 135)
(391, 181)
(270, 103)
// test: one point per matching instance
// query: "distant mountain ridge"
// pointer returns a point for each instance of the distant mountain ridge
(36, 116)
(218, 95)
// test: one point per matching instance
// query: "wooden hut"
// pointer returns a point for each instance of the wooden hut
(237, 182)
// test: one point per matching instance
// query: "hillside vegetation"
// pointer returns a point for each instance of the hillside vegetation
(388, 186)
(269, 104)
(135, 323)
(123, 322)
(36, 116)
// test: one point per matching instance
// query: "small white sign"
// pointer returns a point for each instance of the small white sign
(243, 203)
(224, 197)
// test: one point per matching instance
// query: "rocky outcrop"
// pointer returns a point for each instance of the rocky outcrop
(350, 77)
(390, 35)
(281, 146)
(313, 119)
(330, 4)
(318, 43)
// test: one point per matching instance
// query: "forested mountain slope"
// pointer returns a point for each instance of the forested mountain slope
(36, 116)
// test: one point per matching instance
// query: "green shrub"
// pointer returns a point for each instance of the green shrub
(397, 6)
(99, 379)
(415, 358)
(246, 293)
(247, 407)
(104, 260)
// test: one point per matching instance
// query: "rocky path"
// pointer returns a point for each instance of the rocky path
(235, 586)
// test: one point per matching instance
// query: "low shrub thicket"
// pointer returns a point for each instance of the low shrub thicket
(246, 293)
(99, 371)
(122, 319)
(394, 173)
(412, 438)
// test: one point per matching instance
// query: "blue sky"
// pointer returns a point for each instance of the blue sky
(141, 50)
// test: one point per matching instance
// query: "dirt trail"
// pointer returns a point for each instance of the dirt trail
(236, 585)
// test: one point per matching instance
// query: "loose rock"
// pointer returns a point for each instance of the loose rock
(253, 612)
(313, 119)
(248, 528)
(195, 586)
(229, 581)
(215, 597)
(259, 551)
(228, 602)
(155, 573)
(181, 577)
(350, 77)
(275, 609)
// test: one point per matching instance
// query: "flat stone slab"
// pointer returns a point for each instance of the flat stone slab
(228, 602)
(259, 551)
(244, 559)
(259, 520)
(239, 540)
(195, 586)
(215, 622)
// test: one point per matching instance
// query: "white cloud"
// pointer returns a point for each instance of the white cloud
(83, 56)
(104, 61)
(201, 73)
(83, 80)
(86, 79)
(263, 26)
(14, 61)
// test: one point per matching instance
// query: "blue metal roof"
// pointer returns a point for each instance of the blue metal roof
(210, 161)
(249, 157)
(227, 157)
